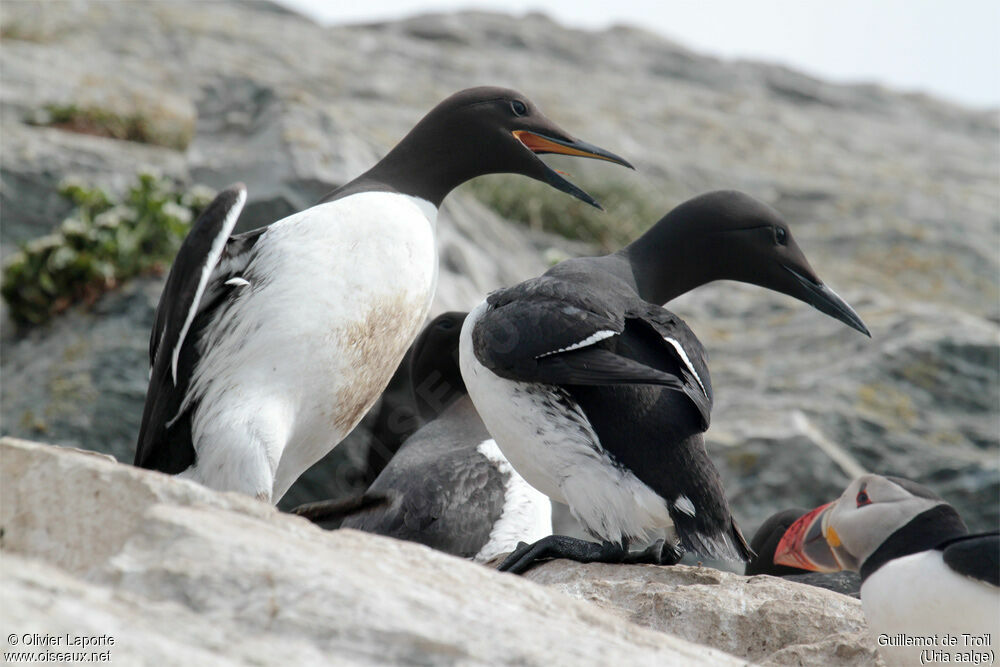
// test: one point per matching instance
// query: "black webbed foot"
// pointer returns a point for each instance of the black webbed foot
(527, 555)
(660, 552)
(561, 546)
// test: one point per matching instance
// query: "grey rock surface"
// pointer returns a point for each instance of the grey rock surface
(764, 619)
(892, 196)
(179, 574)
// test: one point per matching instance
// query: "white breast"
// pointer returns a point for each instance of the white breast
(919, 596)
(337, 293)
(551, 443)
(526, 516)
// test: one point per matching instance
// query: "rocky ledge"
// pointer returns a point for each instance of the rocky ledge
(175, 573)
(892, 196)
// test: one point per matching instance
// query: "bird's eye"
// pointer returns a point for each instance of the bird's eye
(518, 107)
(445, 324)
(780, 235)
(863, 499)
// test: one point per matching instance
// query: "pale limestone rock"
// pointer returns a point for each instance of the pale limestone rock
(41, 598)
(764, 619)
(180, 574)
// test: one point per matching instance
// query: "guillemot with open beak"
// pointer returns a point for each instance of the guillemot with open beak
(448, 487)
(599, 397)
(269, 347)
(922, 574)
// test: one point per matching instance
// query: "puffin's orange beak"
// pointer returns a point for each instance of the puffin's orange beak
(805, 544)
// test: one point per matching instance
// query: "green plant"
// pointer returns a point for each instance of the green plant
(135, 126)
(103, 243)
(629, 210)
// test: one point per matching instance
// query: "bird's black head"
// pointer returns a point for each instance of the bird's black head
(728, 235)
(766, 540)
(481, 131)
(434, 371)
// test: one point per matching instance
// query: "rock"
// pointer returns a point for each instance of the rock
(764, 619)
(84, 373)
(177, 573)
(892, 196)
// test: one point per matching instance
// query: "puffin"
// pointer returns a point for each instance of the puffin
(930, 590)
(448, 487)
(599, 397)
(269, 347)
(765, 542)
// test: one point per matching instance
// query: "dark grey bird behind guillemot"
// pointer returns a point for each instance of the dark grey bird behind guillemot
(599, 397)
(448, 486)
(403, 407)
(269, 347)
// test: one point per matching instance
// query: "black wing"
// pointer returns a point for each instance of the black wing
(656, 433)
(524, 324)
(568, 342)
(640, 375)
(976, 556)
(193, 283)
(190, 273)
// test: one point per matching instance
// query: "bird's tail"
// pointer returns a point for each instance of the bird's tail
(326, 511)
(700, 510)
(726, 543)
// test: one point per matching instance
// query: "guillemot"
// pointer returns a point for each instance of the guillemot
(599, 397)
(268, 347)
(922, 574)
(448, 487)
(765, 542)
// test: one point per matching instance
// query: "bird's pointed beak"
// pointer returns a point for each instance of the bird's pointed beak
(540, 144)
(825, 300)
(812, 544)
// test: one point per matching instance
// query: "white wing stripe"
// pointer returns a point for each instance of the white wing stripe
(215, 252)
(589, 340)
(687, 362)
(684, 504)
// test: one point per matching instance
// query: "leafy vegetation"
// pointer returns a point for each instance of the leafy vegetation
(629, 210)
(103, 243)
(135, 126)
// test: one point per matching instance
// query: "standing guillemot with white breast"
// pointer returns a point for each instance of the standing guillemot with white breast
(269, 347)
(599, 397)
(448, 487)
(922, 573)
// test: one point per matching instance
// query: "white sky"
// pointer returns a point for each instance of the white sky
(950, 48)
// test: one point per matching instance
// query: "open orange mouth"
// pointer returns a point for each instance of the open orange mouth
(537, 143)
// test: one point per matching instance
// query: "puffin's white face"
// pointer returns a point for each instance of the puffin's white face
(870, 510)
(843, 534)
